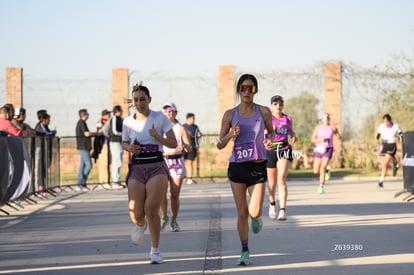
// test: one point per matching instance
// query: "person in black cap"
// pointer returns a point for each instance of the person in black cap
(279, 158)
(19, 121)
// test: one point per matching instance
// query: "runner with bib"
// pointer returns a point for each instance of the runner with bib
(387, 134)
(279, 158)
(175, 162)
(245, 125)
(144, 134)
(323, 138)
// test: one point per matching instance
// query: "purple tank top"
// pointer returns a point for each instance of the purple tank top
(282, 127)
(248, 145)
(326, 132)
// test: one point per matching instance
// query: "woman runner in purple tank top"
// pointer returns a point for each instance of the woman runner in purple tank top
(323, 138)
(245, 125)
(279, 158)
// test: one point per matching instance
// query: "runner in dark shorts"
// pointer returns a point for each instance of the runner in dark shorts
(280, 158)
(387, 134)
(245, 125)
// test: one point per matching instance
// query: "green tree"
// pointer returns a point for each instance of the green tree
(303, 111)
(400, 105)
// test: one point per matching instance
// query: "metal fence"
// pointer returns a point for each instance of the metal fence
(30, 168)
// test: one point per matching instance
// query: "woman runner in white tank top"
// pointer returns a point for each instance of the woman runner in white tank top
(175, 162)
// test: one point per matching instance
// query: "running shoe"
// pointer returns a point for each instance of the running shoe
(164, 221)
(272, 211)
(191, 181)
(244, 258)
(256, 225)
(321, 190)
(282, 215)
(381, 184)
(117, 185)
(394, 170)
(106, 186)
(137, 235)
(156, 258)
(328, 173)
(174, 226)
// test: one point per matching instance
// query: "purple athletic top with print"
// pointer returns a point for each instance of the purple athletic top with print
(248, 145)
(325, 132)
(283, 127)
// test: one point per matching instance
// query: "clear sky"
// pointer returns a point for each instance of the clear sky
(87, 38)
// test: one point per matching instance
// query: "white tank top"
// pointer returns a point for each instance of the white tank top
(177, 132)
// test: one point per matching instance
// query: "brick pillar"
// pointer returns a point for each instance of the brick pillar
(333, 90)
(120, 86)
(14, 86)
(226, 100)
(226, 90)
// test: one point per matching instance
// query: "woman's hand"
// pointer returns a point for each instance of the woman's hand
(153, 132)
(135, 149)
(235, 130)
(268, 144)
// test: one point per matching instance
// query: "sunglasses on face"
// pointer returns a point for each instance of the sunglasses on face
(248, 88)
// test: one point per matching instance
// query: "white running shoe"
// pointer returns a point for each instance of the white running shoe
(282, 215)
(137, 235)
(272, 211)
(156, 258)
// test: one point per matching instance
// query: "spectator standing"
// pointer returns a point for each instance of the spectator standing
(6, 126)
(83, 145)
(113, 130)
(18, 121)
(101, 150)
(43, 151)
(189, 157)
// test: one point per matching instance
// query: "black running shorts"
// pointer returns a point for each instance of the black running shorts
(191, 155)
(388, 148)
(249, 173)
(274, 155)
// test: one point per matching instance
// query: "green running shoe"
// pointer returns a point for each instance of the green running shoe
(256, 225)
(321, 190)
(175, 227)
(244, 258)
(164, 221)
(328, 173)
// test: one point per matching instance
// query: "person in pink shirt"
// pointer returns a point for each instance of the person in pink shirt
(6, 126)
(279, 158)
